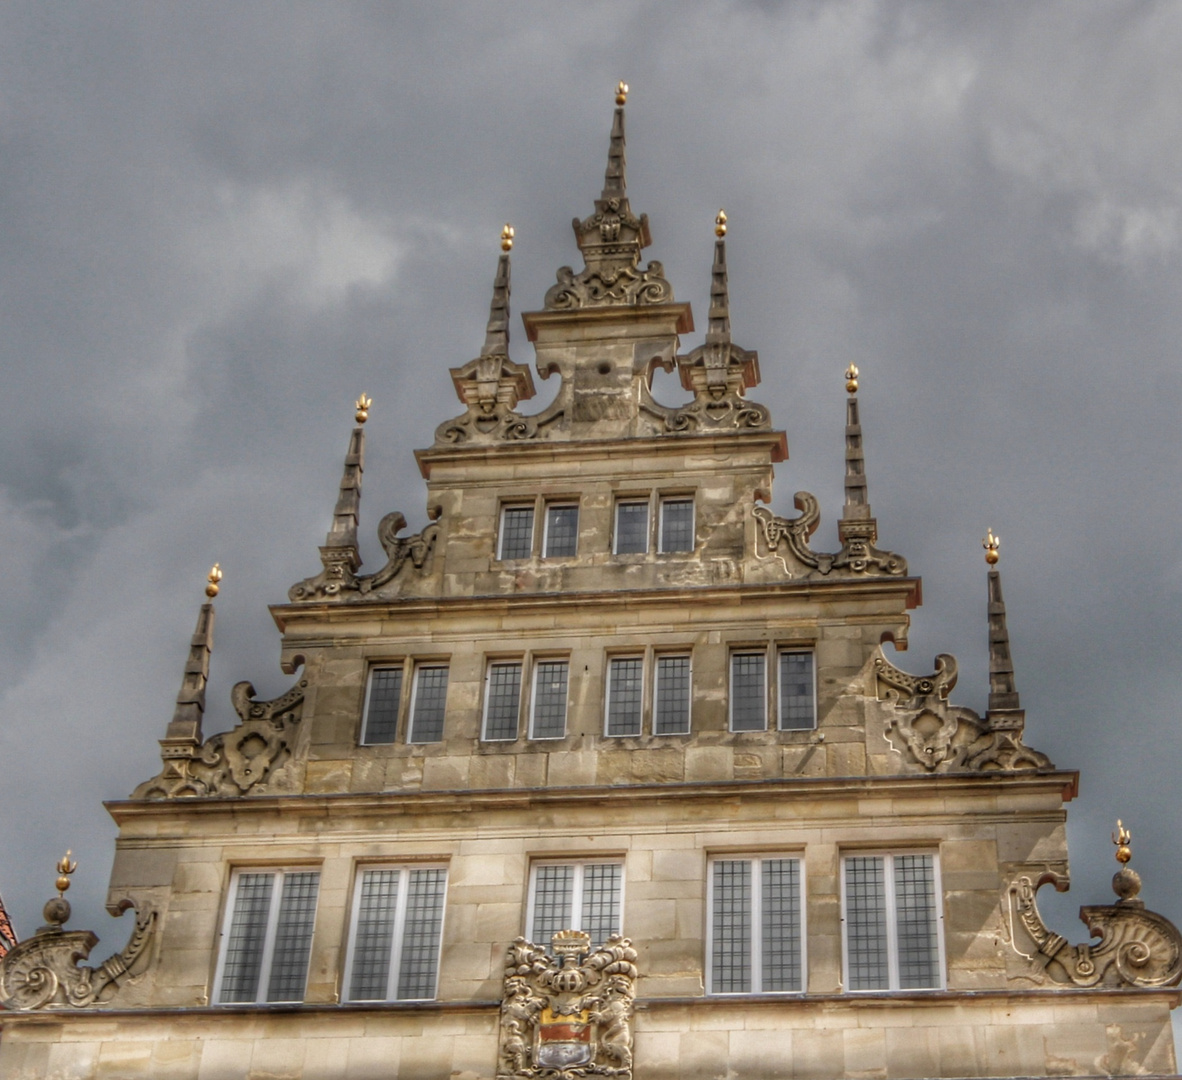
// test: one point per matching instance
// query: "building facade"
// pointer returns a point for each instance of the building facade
(604, 772)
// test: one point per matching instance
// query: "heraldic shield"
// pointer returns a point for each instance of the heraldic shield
(568, 1014)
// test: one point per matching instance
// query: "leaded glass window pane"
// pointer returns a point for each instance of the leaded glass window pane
(517, 532)
(503, 701)
(549, 700)
(798, 709)
(631, 527)
(915, 913)
(293, 936)
(247, 938)
(562, 531)
(731, 950)
(625, 695)
(553, 892)
(748, 692)
(677, 525)
(866, 923)
(671, 713)
(420, 935)
(601, 901)
(381, 711)
(780, 932)
(430, 700)
(373, 938)
(576, 896)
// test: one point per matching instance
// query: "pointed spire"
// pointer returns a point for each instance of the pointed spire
(1003, 694)
(857, 505)
(185, 726)
(719, 327)
(614, 179)
(343, 533)
(496, 334)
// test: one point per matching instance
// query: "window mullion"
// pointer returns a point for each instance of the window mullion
(268, 956)
(576, 898)
(756, 886)
(892, 922)
(355, 927)
(396, 938)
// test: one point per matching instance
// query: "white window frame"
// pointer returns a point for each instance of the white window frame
(756, 958)
(892, 927)
(533, 536)
(689, 498)
(794, 651)
(576, 900)
(607, 694)
(396, 665)
(638, 500)
(419, 667)
(738, 650)
(535, 666)
(278, 874)
(504, 661)
(399, 928)
(559, 504)
(673, 654)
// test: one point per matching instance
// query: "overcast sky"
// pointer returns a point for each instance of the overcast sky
(221, 222)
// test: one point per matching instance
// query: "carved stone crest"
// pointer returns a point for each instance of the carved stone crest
(858, 555)
(567, 1014)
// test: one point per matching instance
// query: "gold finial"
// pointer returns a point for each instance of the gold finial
(65, 867)
(851, 379)
(362, 405)
(1122, 838)
(991, 543)
(213, 577)
(507, 234)
(621, 93)
(720, 224)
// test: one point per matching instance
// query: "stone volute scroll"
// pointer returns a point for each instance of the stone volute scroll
(611, 240)
(719, 373)
(42, 972)
(1137, 947)
(567, 1014)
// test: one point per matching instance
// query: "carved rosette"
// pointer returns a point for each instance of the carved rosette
(42, 972)
(858, 556)
(568, 1014)
(243, 761)
(1137, 947)
(940, 737)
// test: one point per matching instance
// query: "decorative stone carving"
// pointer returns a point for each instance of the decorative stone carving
(940, 737)
(1137, 947)
(490, 386)
(235, 762)
(598, 286)
(42, 972)
(400, 550)
(858, 555)
(569, 1014)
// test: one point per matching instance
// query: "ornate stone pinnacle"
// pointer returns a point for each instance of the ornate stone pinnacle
(851, 379)
(621, 93)
(363, 405)
(991, 543)
(1003, 693)
(213, 577)
(857, 504)
(1122, 838)
(720, 224)
(496, 331)
(507, 234)
(718, 328)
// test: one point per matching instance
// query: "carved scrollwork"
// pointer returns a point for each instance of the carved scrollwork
(1137, 947)
(235, 762)
(795, 532)
(400, 550)
(941, 737)
(42, 971)
(600, 286)
(858, 555)
(569, 1014)
(338, 577)
(491, 386)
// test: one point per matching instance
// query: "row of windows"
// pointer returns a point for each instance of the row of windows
(666, 688)
(632, 534)
(756, 939)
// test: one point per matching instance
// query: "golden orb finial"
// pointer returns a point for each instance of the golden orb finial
(65, 867)
(851, 379)
(213, 577)
(1122, 838)
(507, 234)
(621, 93)
(720, 224)
(991, 543)
(363, 405)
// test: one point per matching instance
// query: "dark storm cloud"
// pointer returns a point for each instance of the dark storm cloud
(222, 222)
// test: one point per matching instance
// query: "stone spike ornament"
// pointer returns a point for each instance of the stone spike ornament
(614, 177)
(857, 504)
(1003, 692)
(718, 329)
(496, 332)
(184, 730)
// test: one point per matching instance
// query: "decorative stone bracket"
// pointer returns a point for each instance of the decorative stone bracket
(42, 972)
(235, 762)
(719, 373)
(858, 556)
(1137, 947)
(491, 387)
(940, 737)
(569, 1014)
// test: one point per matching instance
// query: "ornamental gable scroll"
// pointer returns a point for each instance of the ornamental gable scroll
(569, 1014)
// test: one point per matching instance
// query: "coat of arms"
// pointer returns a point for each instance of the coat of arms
(567, 1015)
